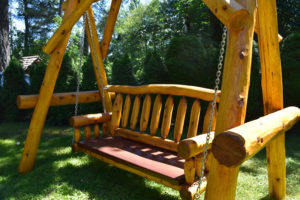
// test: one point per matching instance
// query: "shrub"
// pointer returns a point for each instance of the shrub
(37, 72)
(290, 56)
(187, 62)
(122, 72)
(154, 70)
(14, 85)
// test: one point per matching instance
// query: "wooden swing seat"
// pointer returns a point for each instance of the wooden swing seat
(147, 159)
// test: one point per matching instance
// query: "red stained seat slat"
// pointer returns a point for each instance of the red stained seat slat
(156, 161)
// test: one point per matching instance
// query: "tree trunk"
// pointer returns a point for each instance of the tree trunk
(85, 45)
(216, 28)
(4, 35)
(60, 8)
(26, 21)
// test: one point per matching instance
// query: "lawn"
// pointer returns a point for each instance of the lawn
(60, 174)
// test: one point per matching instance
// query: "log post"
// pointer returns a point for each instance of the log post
(42, 106)
(271, 82)
(222, 180)
(87, 132)
(189, 171)
(97, 59)
(96, 131)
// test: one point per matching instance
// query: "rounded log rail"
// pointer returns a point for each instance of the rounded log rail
(167, 89)
(193, 146)
(236, 145)
(84, 120)
(59, 99)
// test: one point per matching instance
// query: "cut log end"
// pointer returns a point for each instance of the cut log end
(184, 150)
(228, 148)
(239, 19)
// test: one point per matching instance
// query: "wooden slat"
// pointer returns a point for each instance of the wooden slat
(135, 112)
(207, 118)
(155, 115)
(116, 113)
(126, 110)
(167, 89)
(96, 131)
(167, 117)
(147, 139)
(194, 119)
(145, 113)
(77, 134)
(109, 26)
(180, 117)
(104, 129)
(189, 171)
(87, 132)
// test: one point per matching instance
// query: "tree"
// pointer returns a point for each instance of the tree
(4, 35)
(122, 72)
(154, 69)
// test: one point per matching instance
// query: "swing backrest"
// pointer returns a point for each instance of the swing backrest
(137, 113)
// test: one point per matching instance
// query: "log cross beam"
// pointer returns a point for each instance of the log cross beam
(67, 25)
(40, 112)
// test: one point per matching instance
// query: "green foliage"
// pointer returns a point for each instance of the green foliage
(89, 83)
(66, 82)
(36, 75)
(14, 85)
(290, 56)
(188, 62)
(154, 70)
(122, 72)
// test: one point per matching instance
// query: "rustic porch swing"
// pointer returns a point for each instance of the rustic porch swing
(165, 158)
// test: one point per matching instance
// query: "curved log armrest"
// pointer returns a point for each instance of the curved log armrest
(231, 148)
(84, 120)
(193, 146)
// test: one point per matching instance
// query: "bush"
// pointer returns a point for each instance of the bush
(37, 72)
(188, 62)
(14, 85)
(290, 56)
(154, 70)
(89, 83)
(122, 72)
(66, 82)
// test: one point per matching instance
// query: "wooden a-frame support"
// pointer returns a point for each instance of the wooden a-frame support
(240, 18)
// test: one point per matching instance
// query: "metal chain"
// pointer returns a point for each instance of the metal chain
(217, 82)
(97, 63)
(79, 68)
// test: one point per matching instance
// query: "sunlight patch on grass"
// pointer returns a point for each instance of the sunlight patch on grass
(62, 151)
(74, 161)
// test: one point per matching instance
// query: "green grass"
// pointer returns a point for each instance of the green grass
(59, 174)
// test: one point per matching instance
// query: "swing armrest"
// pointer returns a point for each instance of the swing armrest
(233, 147)
(85, 120)
(193, 146)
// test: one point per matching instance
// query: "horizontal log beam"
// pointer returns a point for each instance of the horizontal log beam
(89, 119)
(59, 99)
(229, 12)
(67, 26)
(147, 139)
(193, 146)
(236, 145)
(167, 89)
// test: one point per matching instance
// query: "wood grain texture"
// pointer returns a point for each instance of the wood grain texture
(167, 117)
(43, 103)
(89, 119)
(87, 132)
(180, 117)
(96, 131)
(65, 28)
(194, 119)
(167, 89)
(109, 26)
(222, 180)
(207, 118)
(126, 111)
(145, 113)
(116, 113)
(189, 171)
(155, 115)
(59, 99)
(271, 82)
(135, 112)
(77, 135)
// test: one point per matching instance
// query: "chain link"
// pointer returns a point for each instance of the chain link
(217, 82)
(97, 62)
